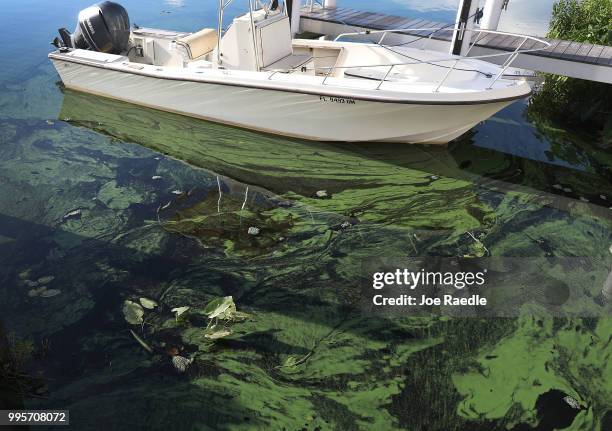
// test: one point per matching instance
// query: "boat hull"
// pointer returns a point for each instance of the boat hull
(288, 113)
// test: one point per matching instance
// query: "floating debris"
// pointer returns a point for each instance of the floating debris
(49, 122)
(434, 177)
(157, 158)
(133, 312)
(218, 334)
(156, 177)
(603, 197)
(178, 311)
(177, 192)
(72, 214)
(181, 363)
(346, 225)
(253, 230)
(147, 303)
(572, 402)
(322, 194)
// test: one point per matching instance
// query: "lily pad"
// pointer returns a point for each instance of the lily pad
(133, 312)
(147, 303)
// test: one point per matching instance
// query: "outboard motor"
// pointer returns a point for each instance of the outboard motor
(103, 27)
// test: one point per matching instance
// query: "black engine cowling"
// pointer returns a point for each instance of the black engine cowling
(103, 27)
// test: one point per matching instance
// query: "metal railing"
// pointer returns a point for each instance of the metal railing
(452, 58)
(512, 56)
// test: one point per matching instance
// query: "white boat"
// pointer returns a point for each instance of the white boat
(255, 75)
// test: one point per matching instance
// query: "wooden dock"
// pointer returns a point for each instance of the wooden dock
(574, 59)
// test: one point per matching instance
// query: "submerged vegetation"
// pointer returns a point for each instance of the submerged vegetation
(575, 102)
(161, 252)
(159, 324)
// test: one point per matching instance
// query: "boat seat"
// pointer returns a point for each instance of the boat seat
(200, 43)
(292, 61)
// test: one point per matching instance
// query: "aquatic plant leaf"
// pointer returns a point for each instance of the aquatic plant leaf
(133, 312)
(290, 362)
(239, 315)
(215, 335)
(221, 308)
(36, 291)
(46, 280)
(142, 342)
(147, 303)
(178, 311)
(48, 293)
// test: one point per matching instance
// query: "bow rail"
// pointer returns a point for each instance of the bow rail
(479, 34)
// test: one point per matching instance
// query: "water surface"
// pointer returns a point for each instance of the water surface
(105, 202)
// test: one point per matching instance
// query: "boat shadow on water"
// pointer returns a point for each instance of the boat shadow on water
(559, 170)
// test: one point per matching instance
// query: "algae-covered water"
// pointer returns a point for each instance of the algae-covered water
(114, 218)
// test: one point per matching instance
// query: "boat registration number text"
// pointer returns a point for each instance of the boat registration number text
(337, 100)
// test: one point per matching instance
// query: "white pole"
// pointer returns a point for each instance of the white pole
(295, 16)
(465, 21)
(492, 13)
(329, 4)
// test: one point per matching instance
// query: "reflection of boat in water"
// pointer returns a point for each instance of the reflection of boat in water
(382, 180)
(254, 75)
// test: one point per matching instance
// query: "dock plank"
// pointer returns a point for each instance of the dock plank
(404, 23)
(532, 44)
(559, 49)
(511, 43)
(582, 54)
(606, 55)
(428, 25)
(387, 23)
(363, 19)
(549, 51)
(594, 54)
(486, 40)
(572, 49)
(498, 41)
